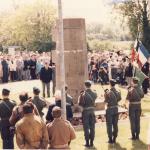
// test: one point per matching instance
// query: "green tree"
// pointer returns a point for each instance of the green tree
(136, 11)
(30, 26)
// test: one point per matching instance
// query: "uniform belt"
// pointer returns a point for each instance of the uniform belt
(89, 108)
(135, 103)
(112, 106)
(60, 146)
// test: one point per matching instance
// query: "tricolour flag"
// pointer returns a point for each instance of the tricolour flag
(143, 55)
(140, 75)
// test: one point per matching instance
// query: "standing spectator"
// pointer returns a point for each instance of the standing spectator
(39, 65)
(6, 107)
(60, 131)
(31, 132)
(46, 78)
(12, 68)
(33, 67)
(26, 68)
(5, 70)
(19, 68)
(94, 74)
(146, 71)
(129, 73)
(87, 101)
(1, 71)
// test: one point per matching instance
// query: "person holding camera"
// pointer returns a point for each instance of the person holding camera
(112, 97)
(6, 107)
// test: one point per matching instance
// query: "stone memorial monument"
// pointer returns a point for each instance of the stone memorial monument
(75, 53)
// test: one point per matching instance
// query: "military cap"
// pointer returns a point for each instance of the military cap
(88, 83)
(5, 92)
(36, 90)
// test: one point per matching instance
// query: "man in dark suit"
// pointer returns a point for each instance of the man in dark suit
(46, 78)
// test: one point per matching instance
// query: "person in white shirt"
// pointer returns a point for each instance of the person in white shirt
(12, 67)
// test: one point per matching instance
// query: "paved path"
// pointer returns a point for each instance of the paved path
(17, 87)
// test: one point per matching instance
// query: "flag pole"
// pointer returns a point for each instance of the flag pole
(61, 57)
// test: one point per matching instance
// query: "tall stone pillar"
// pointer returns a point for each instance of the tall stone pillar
(75, 48)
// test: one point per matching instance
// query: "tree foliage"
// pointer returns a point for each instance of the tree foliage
(136, 11)
(29, 26)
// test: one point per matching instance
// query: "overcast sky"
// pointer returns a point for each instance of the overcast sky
(92, 10)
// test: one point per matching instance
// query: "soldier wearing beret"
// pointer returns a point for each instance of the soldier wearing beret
(134, 96)
(87, 101)
(39, 102)
(112, 97)
(6, 107)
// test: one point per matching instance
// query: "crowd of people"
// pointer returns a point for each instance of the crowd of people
(115, 65)
(33, 130)
(22, 66)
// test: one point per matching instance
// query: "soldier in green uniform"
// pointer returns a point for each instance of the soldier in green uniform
(6, 107)
(87, 101)
(39, 102)
(112, 97)
(134, 96)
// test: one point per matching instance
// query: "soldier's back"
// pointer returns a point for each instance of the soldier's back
(6, 107)
(90, 98)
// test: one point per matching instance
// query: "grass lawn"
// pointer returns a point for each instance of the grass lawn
(123, 143)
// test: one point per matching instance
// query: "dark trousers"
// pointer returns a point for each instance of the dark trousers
(33, 74)
(46, 85)
(88, 117)
(112, 122)
(145, 86)
(7, 138)
(12, 75)
(134, 116)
